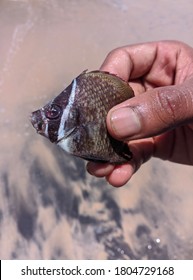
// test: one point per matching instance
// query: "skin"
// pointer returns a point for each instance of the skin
(161, 75)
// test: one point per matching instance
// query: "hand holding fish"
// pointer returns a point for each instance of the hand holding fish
(158, 121)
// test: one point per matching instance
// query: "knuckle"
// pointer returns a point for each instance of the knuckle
(173, 105)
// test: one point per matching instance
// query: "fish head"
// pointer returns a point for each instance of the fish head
(58, 118)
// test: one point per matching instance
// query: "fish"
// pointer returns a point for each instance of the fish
(75, 120)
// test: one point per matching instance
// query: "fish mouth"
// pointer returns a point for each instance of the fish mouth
(34, 121)
(39, 123)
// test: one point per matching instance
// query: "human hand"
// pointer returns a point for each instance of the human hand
(158, 121)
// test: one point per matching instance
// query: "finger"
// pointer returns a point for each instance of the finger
(128, 62)
(152, 113)
(99, 169)
(116, 175)
(120, 175)
(155, 60)
(142, 151)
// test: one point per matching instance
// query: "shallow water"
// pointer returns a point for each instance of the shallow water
(50, 208)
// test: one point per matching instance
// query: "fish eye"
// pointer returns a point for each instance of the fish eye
(53, 112)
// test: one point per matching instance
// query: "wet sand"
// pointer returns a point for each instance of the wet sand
(50, 208)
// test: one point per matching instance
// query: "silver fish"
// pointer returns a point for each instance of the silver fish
(76, 118)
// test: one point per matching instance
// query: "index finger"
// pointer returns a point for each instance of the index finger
(155, 60)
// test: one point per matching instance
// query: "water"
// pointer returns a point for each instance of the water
(50, 208)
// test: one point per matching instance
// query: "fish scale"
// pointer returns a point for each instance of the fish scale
(76, 118)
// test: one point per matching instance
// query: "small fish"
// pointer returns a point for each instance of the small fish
(76, 118)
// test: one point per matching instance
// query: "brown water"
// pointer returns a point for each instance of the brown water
(49, 206)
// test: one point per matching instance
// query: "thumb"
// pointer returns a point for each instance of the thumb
(152, 112)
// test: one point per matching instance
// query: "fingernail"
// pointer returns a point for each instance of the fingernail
(125, 122)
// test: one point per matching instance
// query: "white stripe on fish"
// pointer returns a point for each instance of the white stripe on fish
(61, 130)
